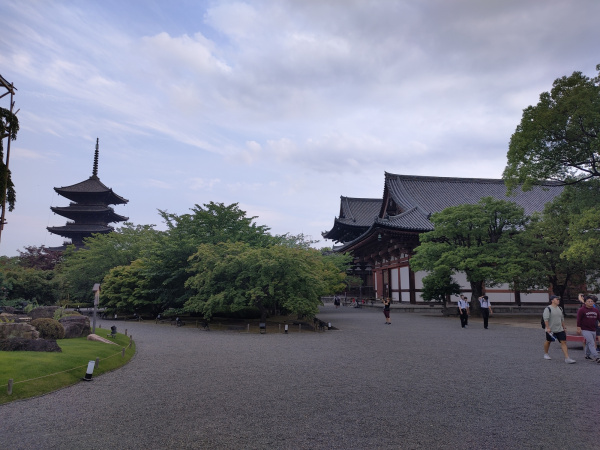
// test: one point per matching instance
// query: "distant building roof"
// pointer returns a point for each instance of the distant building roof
(356, 216)
(408, 202)
(434, 194)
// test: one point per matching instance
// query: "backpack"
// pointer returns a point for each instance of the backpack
(549, 312)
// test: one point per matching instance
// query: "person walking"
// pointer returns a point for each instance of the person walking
(486, 309)
(581, 298)
(587, 319)
(463, 311)
(386, 311)
(554, 321)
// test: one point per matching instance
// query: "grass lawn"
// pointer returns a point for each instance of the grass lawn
(37, 373)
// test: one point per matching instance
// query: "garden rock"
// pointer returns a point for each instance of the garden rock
(8, 309)
(95, 337)
(75, 326)
(43, 312)
(29, 345)
(18, 330)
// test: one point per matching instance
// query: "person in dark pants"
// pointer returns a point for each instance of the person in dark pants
(463, 311)
(386, 311)
(486, 309)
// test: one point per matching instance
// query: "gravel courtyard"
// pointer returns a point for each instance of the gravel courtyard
(422, 382)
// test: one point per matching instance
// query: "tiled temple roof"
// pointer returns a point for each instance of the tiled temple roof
(434, 194)
(359, 211)
(356, 216)
(408, 201)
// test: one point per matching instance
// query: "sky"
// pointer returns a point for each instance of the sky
(280, 106)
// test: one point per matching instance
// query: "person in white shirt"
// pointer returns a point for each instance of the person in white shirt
(486, 309)
(556, 330)
(463, 311)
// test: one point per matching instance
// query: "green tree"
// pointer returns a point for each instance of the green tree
(30, 284)
(124, 289)
(475, 239)
(236, 275)
(167, 266)
(557, 241)
(439, 285)
(81, 269)
(559, 138)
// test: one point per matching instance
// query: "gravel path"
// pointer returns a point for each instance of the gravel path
(422, 382)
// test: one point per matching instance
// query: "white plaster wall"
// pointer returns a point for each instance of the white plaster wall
(394, 278)
(419, 279)
(404, 283)
(541, 297)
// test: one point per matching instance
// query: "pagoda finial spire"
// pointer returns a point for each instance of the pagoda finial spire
(95, 171)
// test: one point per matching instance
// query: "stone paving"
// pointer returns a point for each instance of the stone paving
(421, 382)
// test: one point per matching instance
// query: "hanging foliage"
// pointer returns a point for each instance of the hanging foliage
(9, 127)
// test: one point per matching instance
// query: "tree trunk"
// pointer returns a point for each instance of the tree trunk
(263, 311)
(476, 292)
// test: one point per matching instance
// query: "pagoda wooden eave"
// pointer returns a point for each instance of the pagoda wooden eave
(94, 213)
(91, 190)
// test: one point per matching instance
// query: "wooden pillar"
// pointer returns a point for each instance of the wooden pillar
(411, 286)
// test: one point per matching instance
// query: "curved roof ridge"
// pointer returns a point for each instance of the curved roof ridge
(349, 210)
(462, 179)
(401, 195)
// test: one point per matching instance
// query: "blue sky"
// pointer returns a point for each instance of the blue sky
(280, 106)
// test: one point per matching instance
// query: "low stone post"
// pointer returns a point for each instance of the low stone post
(10, 383)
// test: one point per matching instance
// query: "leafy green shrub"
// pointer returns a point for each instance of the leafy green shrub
(173, 312)
(61, 312)
(49, 328)
(15, 303)
(30, 307)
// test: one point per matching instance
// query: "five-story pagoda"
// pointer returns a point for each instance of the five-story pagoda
(89, 210)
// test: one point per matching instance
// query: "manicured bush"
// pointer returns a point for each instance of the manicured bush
(49, 328)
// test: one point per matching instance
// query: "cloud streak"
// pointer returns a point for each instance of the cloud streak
(282, 106)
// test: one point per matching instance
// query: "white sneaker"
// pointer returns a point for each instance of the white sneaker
(547, 356)
(569, 361)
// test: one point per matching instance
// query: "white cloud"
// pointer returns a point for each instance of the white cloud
(157, 184)
(283, 105)
(201, 184)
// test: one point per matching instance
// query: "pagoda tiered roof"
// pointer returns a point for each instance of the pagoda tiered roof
(90, 211)
(91, 190)
(76, 211)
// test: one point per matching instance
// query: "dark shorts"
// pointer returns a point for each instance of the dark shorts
(560, 336)
(386, 313)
